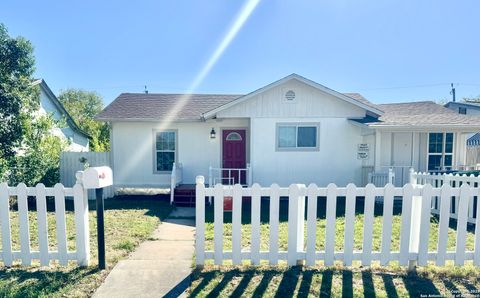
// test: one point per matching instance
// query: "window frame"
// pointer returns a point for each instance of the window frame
(297, 125)
(155, 150)
(441, 154)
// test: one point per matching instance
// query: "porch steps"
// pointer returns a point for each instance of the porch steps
(184, 196)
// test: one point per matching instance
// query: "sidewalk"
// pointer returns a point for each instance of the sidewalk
(157, 268)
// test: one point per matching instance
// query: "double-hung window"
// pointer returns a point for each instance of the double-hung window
(297, 136)
(165, 150)
(440, 151)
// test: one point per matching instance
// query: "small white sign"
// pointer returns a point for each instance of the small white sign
(363, 147)
(362, 151)
(362, 155)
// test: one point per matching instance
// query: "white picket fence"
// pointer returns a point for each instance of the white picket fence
(414, 235)
(454, 180)
(44, 254)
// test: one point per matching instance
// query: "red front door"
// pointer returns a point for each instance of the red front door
(234, 156)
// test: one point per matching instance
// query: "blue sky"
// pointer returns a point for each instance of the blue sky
(371, 47)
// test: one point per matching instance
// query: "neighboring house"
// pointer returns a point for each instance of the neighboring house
(473, 141)
(465, 108)
(78, 140)
(291, 131)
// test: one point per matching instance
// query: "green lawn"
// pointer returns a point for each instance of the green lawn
(128, 222)
(282, 281)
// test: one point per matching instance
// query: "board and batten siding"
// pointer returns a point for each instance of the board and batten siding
(133, 145)
(309, 102)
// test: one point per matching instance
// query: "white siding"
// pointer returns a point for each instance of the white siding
(133, 145)
(336, 161)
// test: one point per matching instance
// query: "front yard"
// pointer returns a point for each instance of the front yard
(128, 222)
(282, 281)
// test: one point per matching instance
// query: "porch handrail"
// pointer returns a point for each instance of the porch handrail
(381, 179)
(215, 174)
(175, 179)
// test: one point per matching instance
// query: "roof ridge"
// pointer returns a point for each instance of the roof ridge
(410, 102)
(163, 93)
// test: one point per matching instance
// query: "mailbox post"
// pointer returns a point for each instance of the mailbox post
(97, 178)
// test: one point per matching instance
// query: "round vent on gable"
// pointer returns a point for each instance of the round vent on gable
(290, 95)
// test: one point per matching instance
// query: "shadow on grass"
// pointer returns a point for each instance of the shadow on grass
(20, 282)
(301, 282)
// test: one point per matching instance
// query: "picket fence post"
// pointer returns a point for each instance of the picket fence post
(415, 217)
(82, 228)
(296, 211)
(200, 221)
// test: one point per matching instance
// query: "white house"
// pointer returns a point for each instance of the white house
(78, 140)
(293, 130)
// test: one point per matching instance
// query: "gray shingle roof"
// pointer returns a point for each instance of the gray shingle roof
(360, 98)
(155, 106)
(423, 113)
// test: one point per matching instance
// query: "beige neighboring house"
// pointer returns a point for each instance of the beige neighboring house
(78, 140)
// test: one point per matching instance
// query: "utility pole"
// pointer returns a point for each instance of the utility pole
(452, 92)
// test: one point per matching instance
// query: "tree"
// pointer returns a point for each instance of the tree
(29, 152)
(18, 98)
(39, 156)
(83, 106)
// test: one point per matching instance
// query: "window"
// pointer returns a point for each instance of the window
(440, 151)
(234, 136)
(297, 137)
(462, 110)
(165, 150)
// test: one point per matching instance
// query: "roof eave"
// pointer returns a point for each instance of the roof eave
(439, 127)
(106, 119)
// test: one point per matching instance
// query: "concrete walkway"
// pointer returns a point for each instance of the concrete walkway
(159, 268)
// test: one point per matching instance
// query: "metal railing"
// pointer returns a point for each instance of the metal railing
(230, 176)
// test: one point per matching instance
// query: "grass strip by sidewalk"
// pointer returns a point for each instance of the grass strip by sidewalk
(128, 222)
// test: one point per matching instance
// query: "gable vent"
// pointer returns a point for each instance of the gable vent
(290, 95)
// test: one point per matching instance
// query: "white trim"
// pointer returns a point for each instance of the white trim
(297, 77)
(427, 128)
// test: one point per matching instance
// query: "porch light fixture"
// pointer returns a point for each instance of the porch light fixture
(213, 133)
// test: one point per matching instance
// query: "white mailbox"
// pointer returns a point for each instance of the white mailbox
(97, 177)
